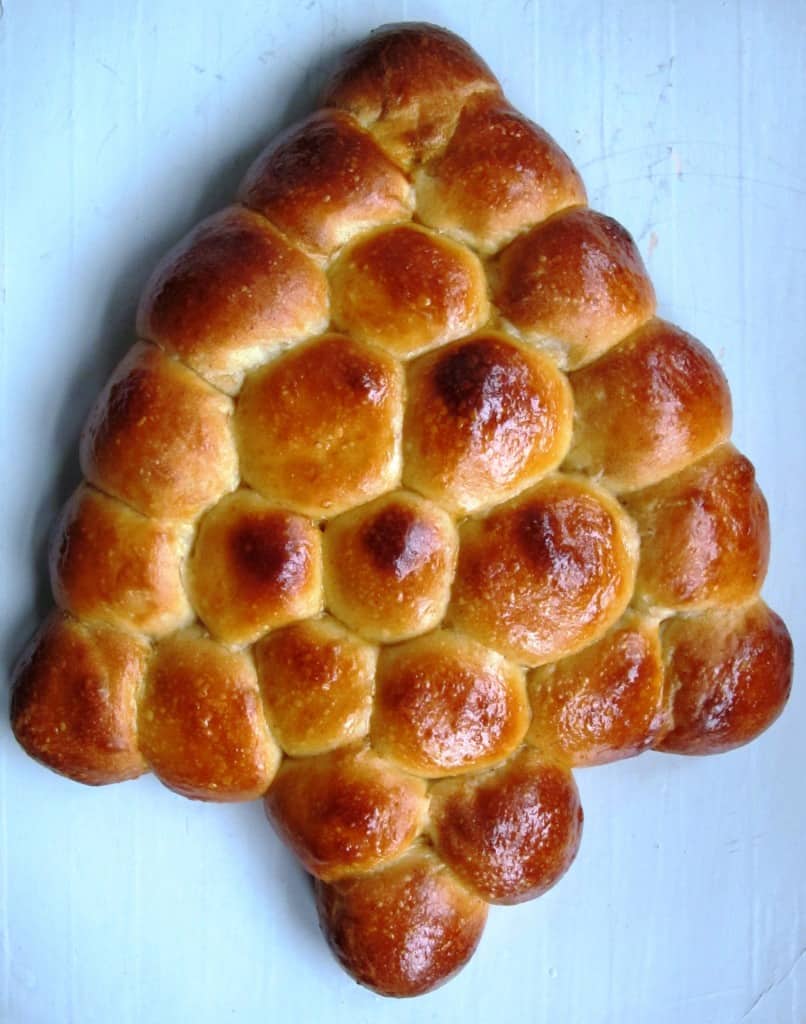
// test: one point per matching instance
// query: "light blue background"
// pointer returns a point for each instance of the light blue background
(123, 122)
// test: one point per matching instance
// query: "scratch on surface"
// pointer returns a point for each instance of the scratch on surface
(105, 140)
(653, 243)
(106, 67)
(650, 168)
(665, 67)
(717, 176)
(774, 984)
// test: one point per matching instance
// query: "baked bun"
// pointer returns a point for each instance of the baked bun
(705, 535)
(575, 286)
(404, 929)
(111, 564)
(728, 676)
(408, 290)
(498, 174)
(547, 573)
(446, 705)
(511, 833)
(254, 567)
(389, 566)
(200, 721)
(648, 408)
(318, 681)
(485, 417)
(176, 432)
(604, 703)
(408, 83)
(229, 294)
(74, 703)
(347, 811)
(325, 180)
(403, 505)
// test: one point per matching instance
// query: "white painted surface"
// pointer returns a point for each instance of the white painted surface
(122, 123)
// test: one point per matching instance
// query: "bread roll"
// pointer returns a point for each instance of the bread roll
(74, 704)
(407, 290)
(228, 294)
(575, 286)
(705, 535)
(389, 566)
(648, 408)
(547, 573)
(604, 703)
(322, 457)
(318, 681)
(347, 811)
(254, 567)
(446, 705)
(200, 721)
(111, 564)
(159, 438)
(485, 417)
(404, 929)
(510, 833)
(325, 180)
(728, 676)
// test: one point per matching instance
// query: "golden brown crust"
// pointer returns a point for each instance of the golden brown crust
(728, 674)
(254, 567)
(648, 408)
(408, 290)
(404, 929)
(605, 703)
(73, 703)
(159, 438)
(499, 175)
(546, 574)
(229, 293)
(705, 535)
(110, 564)
(574, 285)
(324, 180)
(511, 833)
(389, 566)
(317, 681)
(319, 430)
(446, 705)
(485, 418)
(408, 82)
(346, 811)
(201, 723)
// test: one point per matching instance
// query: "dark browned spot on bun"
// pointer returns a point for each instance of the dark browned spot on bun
(364, 377)
(130, 400)
(479, 379)
(398, 540)
(563, 538)
(272, 551)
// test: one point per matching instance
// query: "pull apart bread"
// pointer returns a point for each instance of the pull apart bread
(404, 505)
